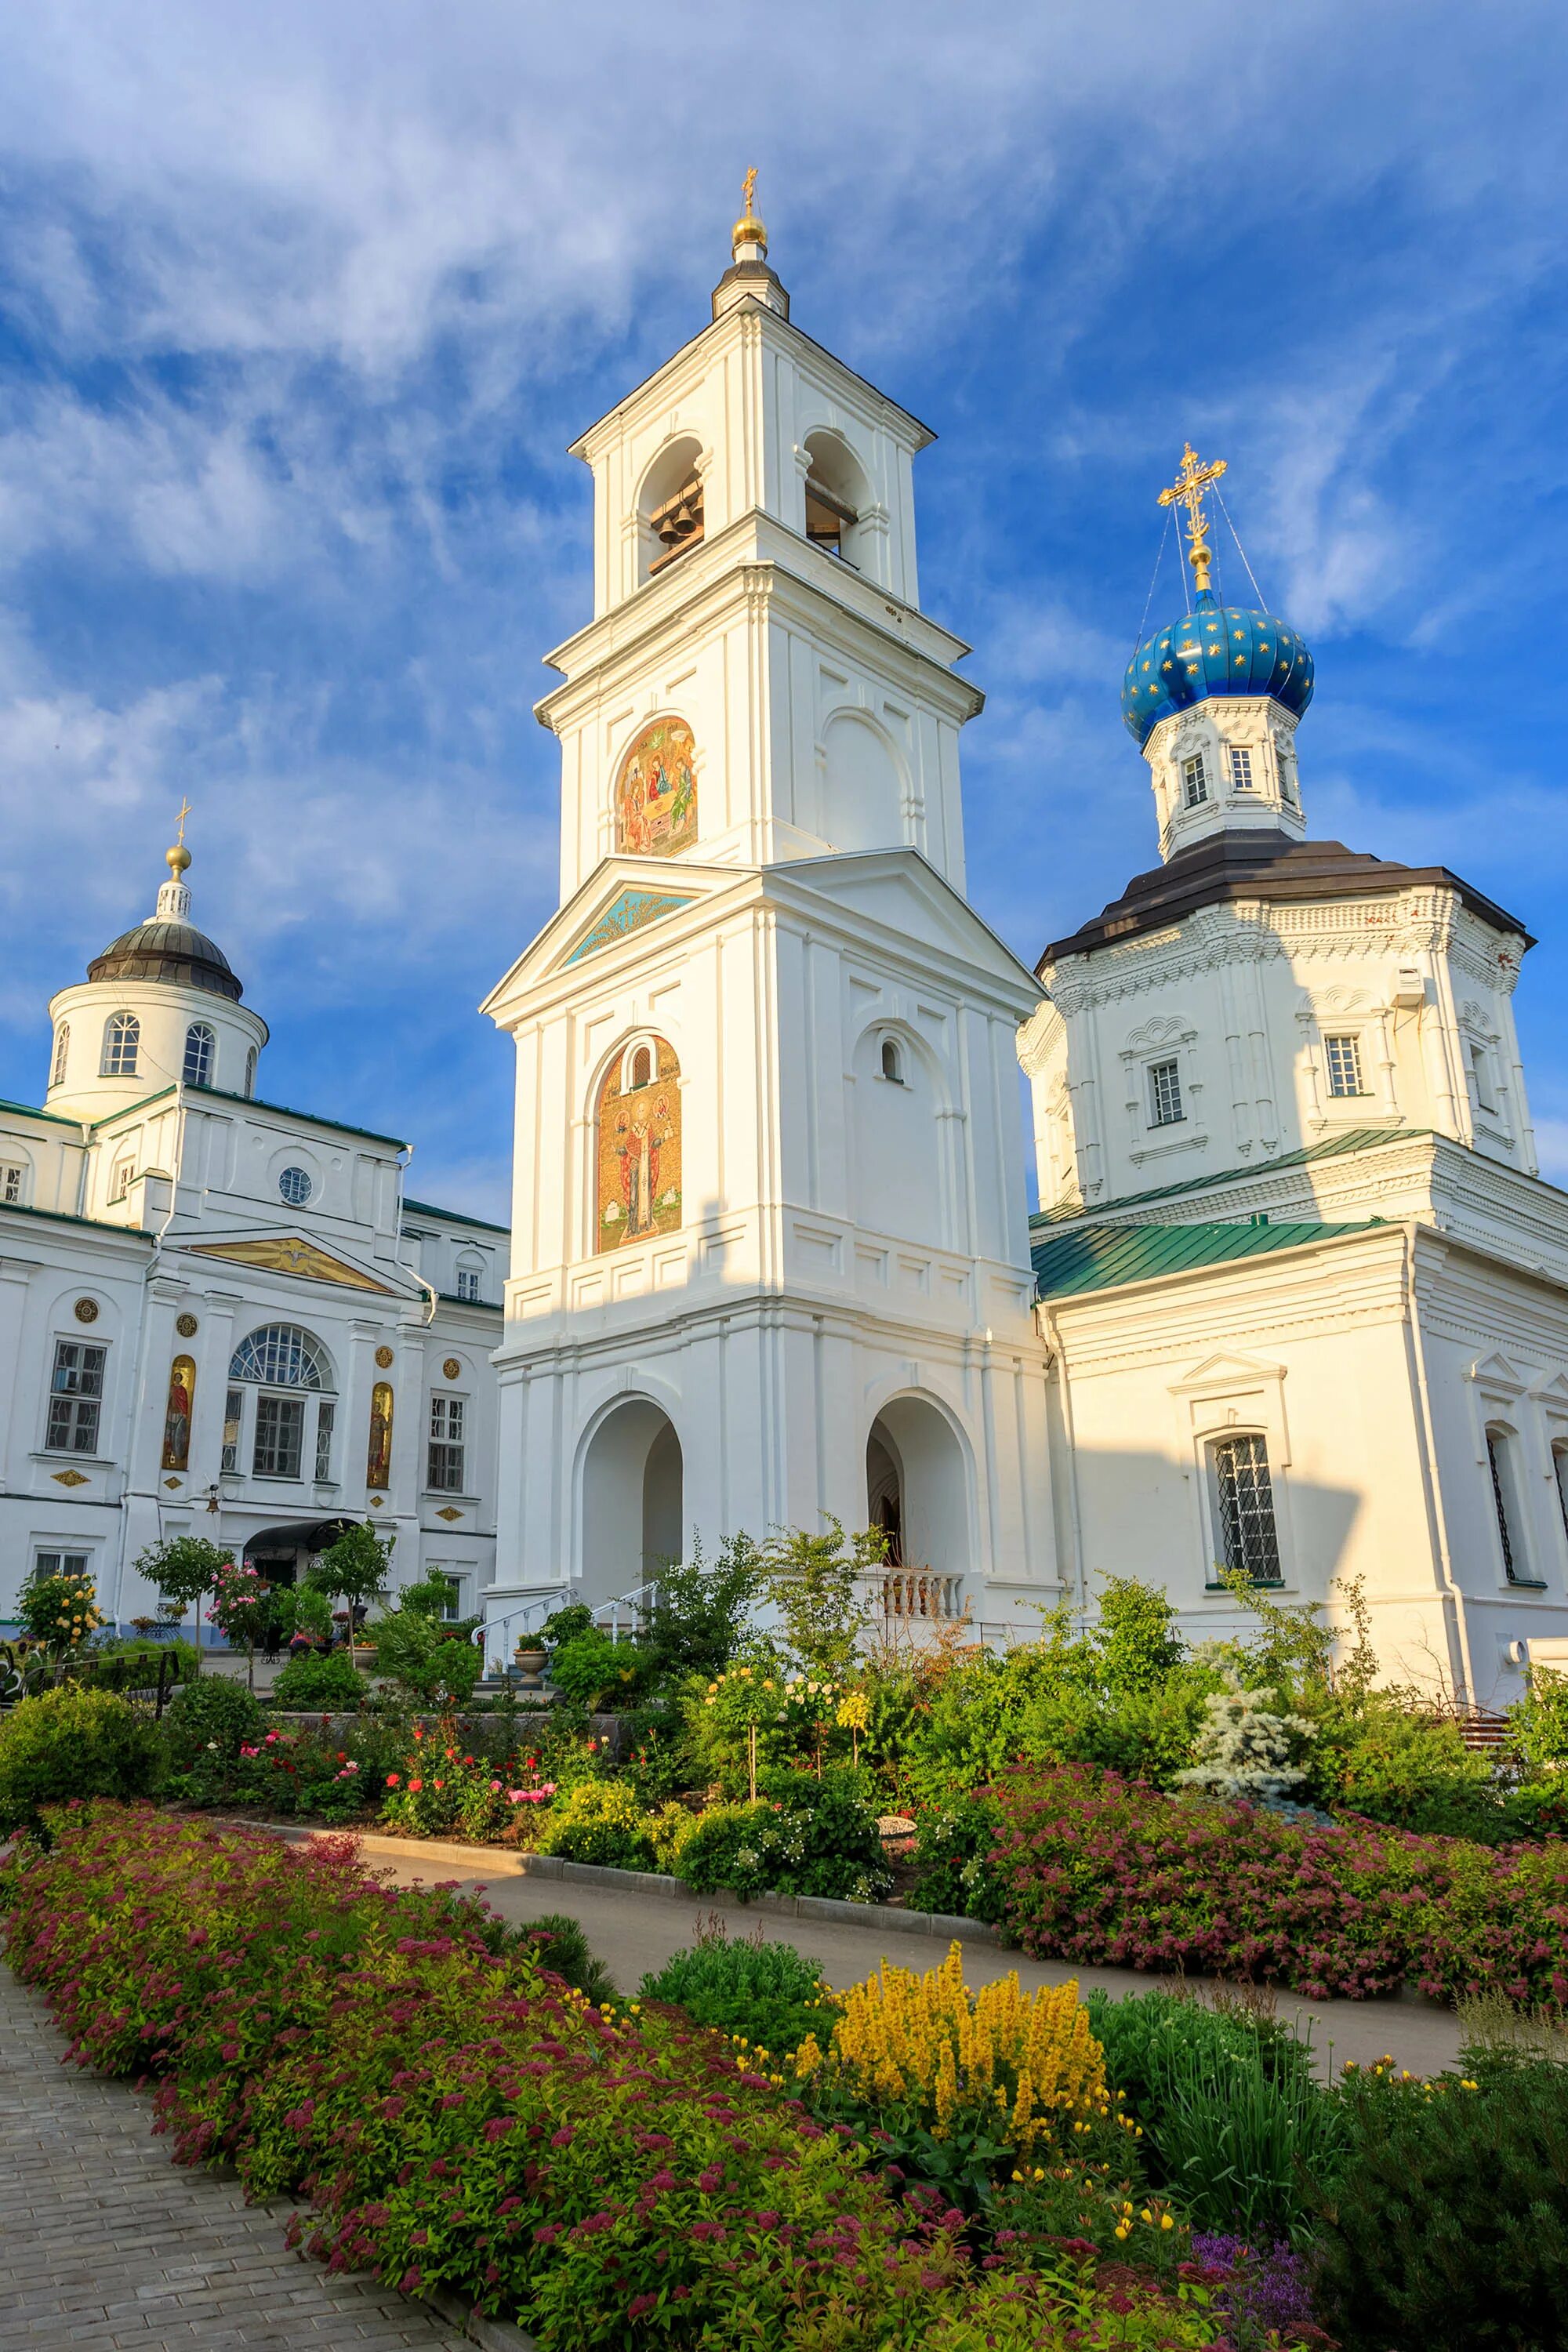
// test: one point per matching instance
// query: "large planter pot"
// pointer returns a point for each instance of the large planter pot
(531, 1658)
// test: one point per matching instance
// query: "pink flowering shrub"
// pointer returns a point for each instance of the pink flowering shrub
(1091, 1867)
(457, 2116)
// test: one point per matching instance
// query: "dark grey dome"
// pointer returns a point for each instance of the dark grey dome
(174, 952)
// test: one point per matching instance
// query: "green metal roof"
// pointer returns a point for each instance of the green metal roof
(1101, 1257)
(453, 1216)
(1357, 1138)
(26, 1110)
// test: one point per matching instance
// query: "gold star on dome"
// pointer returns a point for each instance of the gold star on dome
(1239, 633)
(1241, 661)
(1167, 665)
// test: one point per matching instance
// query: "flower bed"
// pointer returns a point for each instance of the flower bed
(1089, 1866)
(460, 2118)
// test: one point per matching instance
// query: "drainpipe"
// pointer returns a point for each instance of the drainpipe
(1052, 1339)
(432, 1301)
(1452, 1598)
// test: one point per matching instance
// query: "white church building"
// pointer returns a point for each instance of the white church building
(1295, 1303)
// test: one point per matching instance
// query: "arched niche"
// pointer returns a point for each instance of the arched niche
(655, 797)
(632, 1500)
(862, 785)
(637, 1135)
(917, 1490)
(669, 505)
(898, 1172)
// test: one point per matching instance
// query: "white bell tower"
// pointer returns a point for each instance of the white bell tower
(770, 1241)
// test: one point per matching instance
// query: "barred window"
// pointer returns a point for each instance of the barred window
(446, 1453)
(201, 1045)
(121, 1037)
(282, 1355)
(1505, 1502)
(1243, 1498)
(1195, 781)
(76, 1398)
(1240, 768)
(326, 1414)
(279, 1436)
(1344, 1057)
(1165, 1108)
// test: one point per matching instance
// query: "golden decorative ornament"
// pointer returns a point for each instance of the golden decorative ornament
(383, 1358)
(451, 1368)
(1193, 478)
(173, 1485)
(376, 1502)
(70, 1478)
(86, 1310)
(186, 1326)
(749, 229)
(448, 1511)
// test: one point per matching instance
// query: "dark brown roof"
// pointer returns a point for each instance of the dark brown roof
(1267, 865)
(175, 952)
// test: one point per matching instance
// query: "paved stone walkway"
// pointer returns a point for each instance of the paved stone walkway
(106, 2244)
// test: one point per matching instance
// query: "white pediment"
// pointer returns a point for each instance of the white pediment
(1225, 1370)
(902, 894)
(622, 901)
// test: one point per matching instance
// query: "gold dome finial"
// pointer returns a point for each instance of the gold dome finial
(1187, 489)
(179, 857)
(749, 229)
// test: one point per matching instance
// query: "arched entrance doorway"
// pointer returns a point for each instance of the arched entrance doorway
(917, 1492)
(632, 1500)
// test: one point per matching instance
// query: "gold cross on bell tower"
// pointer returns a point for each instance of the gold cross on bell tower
(1187, 490)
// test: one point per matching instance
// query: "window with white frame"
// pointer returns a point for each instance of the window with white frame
(1506, 1506)
(251, 1074)
(233, 1406)
(1165, 1104)
(279, 1436)
(1241, 778)
(457, 1584)
(1480, 1077)
(61, 1563)
(13, 1183)
(445, 1466)
(1342, 1057)
(121, 1040)
(326, 1414)
(119, 1182)
(1195, 781)
(1243, 1497)
(62, 1047)
(201, 1047)
(295, 1186)
(282, 1355)
(470, 1279)
(76, 1398)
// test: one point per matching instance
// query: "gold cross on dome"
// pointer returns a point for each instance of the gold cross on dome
(1187, 490)
(185, 812)
(749, 191)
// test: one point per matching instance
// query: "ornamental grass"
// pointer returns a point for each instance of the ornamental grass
(1027, 2062)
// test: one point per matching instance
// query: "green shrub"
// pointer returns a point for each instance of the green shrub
(600, 1822)
(71, 1743)
(951, 1843)
(559, 1944)
(565, 1625)
(803, 1836)
(429, 1664)
(1391, 1763)
(1449, 2225)
(332, 1684)
(211, 1713)
(1538, 1725)
(770, 1993)
(597, 1672)
(701, 1614)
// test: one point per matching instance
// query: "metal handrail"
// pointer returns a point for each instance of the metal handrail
(636, 1604)
(547, 1602)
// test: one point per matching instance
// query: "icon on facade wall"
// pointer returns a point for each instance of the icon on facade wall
(640, 1146)
(177, 1415)
(186, 1326)
(656, 792)
(383, 1358)
(378, 1458)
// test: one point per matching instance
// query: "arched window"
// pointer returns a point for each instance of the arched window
(200, 1048)
(251, 1074)
(1243, 1497)
(1560, 1472)
(642, 1067)
(670, 507)
(1506, 1503)
(62, 1047)
(892, 1064)
(121, 1037)
(283, 1356)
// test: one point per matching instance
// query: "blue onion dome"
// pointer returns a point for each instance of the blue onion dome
(1214, 649)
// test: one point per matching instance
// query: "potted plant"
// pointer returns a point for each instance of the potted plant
(530, 1657)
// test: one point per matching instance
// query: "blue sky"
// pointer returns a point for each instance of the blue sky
(299, 307)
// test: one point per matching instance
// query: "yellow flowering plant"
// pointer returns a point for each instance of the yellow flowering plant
(964, 2087)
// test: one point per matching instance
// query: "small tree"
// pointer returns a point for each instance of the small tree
(241, 1602)
(58, 1612)
(183, 1568)
(699, 1613)
(354, 1571)
(1243, 1750)
(817, 1585)
(1138, 1644)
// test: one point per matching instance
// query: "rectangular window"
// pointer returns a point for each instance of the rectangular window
(279, 1436)
(120, 1187)
(1165, 1095)
(1485, 1099)
(1342, 1055)
(61, 1563)
(1243, 1499)
(1240, 768)
(1195, 781)
(233, 1405)
(468, 1282)
(76, 1398)
(452, 1608)
(10, 1183)
(446, 1464)
(1505, 1502)
(326, 1414)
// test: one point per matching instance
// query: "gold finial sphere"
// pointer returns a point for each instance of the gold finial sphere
(749, 229)
(178, 859)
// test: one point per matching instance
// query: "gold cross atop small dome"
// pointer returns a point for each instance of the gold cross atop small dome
(749, 229)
